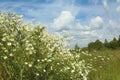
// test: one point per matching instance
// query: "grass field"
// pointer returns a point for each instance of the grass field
(107, 65)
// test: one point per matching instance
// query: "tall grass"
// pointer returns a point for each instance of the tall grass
(107, 69)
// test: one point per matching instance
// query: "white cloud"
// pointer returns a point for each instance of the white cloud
(65, 19)
(118, 9)
(118, 1)
(114, 24)
(86, 32)
(96, 22)
(79, 26)
(90, 33)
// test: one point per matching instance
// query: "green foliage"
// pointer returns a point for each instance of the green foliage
(106, 44)
(29, 52)
(76, 47)
(97, 45)
(105, 63)
(119, 41)
(113, 44)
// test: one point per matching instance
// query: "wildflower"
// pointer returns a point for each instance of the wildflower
(29, 44)
(27, 41)
(4, 34)
(72, 71)
(66, 68)
(1, 21)
(26, 28)
(5, 57)
(27, 49)
(45, 59)
(102, 59)
(14, 50)
(42, 60)
(30, 52)
(61, 53)
(32, 48)
(108, 58)
(61, 70)
(4, 39)
(95, 57)
(6, 50)
(57, 63)
(9, 44)
(49, 60)
(44, 70)
(100, 66)
(26, 63)
(99, 56)
(11, 54)
(37, 74)
(12, 39)
(30, 65)
(51, 68)
(38, 60)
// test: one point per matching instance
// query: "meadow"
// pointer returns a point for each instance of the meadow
(29, 52)
(107, 65)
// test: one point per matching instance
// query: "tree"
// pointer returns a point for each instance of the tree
(76, 47)
(113, 44)
(97, 45)
(91, 46)
(106, 44)
(119, 41)
(114, 39)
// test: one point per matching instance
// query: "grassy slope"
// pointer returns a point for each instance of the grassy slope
(108, 69)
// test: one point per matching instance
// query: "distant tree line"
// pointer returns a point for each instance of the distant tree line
(98, 45)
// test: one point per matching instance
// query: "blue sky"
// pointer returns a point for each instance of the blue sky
(84, 20)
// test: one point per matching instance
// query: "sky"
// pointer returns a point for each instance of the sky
(82, 21)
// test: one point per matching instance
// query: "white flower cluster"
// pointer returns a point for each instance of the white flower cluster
(34, 50)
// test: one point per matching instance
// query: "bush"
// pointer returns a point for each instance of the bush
(29, 52)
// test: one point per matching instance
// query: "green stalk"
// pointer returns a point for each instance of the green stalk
(21, 74)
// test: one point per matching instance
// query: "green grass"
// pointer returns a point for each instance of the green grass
(107, 69)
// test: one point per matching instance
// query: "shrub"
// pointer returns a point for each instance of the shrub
(29, 52)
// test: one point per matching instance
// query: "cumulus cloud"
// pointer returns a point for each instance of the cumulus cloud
(64, 20)
(82, 27)
(90, 33)
(96, 23)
